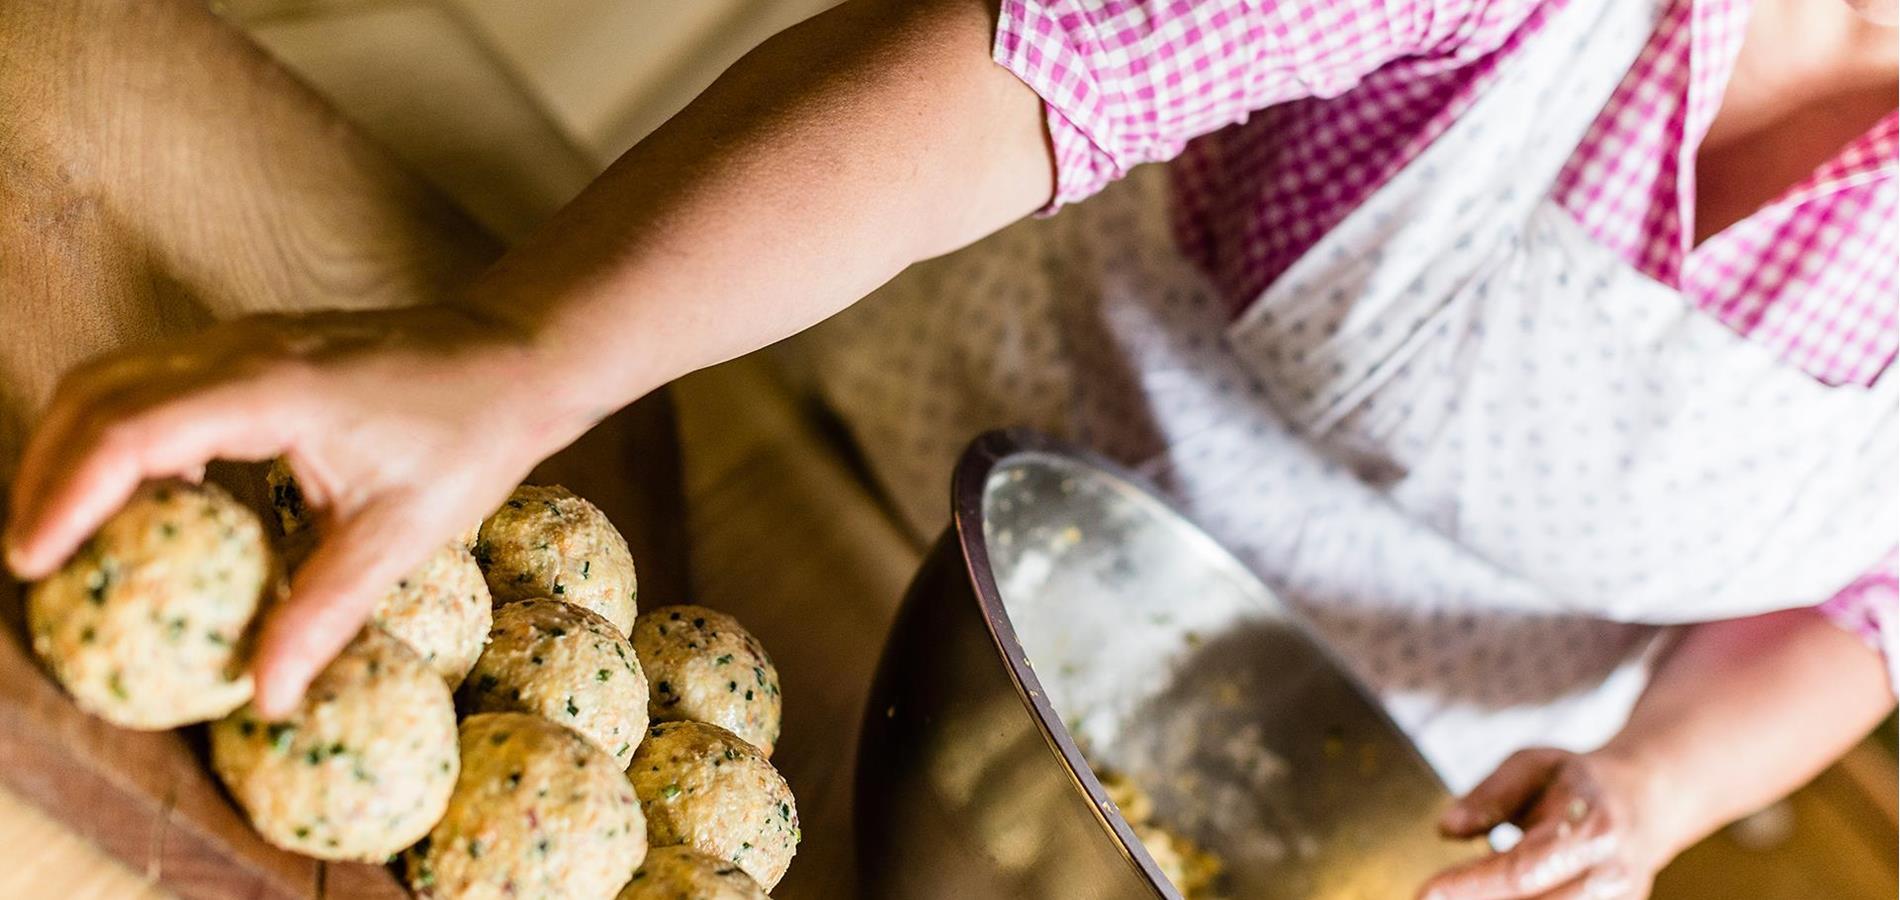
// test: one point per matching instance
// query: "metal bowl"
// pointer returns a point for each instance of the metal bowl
(1070, 618)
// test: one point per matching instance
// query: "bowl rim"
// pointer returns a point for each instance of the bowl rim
(984, 455)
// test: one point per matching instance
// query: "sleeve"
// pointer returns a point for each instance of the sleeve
(1870, 608)
(1125, 82)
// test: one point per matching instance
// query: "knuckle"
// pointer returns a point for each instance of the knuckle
(1522, 870)
(294, 372)
(97, 413)
(123, 424)
(1539, 868)
(117, 434)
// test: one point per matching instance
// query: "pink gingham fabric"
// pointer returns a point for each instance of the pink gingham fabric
(1812, 276)
(1282, 117)
(1867, 607)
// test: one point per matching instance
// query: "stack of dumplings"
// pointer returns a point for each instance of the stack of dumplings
(506, 725)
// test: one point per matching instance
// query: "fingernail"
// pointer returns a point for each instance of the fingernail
(265, 701)
(10, 545)
(21, 563)
(272, 698)
(1455, 818)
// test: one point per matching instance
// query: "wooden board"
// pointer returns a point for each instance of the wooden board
(62, 863)
(158, 173)
(788, 539)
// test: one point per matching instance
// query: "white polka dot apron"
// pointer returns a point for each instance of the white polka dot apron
(1484, 455)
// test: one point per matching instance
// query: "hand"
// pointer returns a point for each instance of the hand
(1583, 818)
(403, 428)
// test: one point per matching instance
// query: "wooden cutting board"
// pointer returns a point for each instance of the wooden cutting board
(158, 173)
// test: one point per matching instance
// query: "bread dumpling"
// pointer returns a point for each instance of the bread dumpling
(146, 625)
(706, 788)
(682, 873)
(360, 769)
(567, 665)
(702, 666)
(546, 542)
(537, 811)
(442, 610)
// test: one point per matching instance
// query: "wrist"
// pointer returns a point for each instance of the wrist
(541, 387)
(579, 359)
(1670, 805)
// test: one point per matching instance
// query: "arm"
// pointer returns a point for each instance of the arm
(1792, 689)
(1740, 713)
(818, 167)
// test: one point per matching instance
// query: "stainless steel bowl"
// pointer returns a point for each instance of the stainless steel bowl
(1068, 609)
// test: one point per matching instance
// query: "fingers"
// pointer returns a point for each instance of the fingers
(85, 463)
(1577, 889)
(1605, 883)
(44, 449)
(1514, 787)
(331, 595)
(1553, 853)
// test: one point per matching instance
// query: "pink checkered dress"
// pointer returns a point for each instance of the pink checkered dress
(1285, 116)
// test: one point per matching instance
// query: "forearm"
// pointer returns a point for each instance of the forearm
(815, 169)
(1742, 712)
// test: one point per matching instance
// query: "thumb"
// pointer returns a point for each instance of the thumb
(331, 595)
(1502, 795)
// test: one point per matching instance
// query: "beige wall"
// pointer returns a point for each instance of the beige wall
(511, 104)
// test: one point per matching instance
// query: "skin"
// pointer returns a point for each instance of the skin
(1790, 689)
(826, 161)
(1812, 75)
(1878, 12)
(756, 212)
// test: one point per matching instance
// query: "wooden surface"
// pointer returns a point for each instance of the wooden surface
(181, 178)
(62, 863)
(785, 537)
(157, 172)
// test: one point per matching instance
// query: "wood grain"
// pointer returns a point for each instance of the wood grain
(789, 540)
(157, 173)
(62, 863)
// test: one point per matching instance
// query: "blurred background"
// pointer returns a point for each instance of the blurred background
(510, 107)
